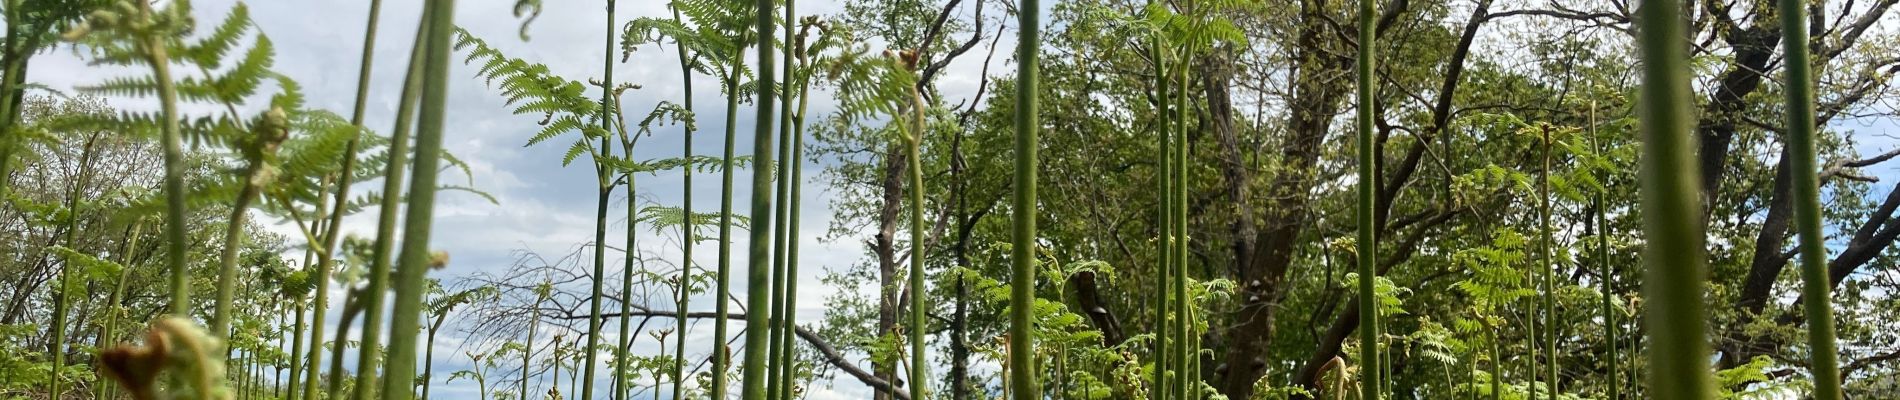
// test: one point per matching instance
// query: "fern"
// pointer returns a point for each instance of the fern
(532, 89)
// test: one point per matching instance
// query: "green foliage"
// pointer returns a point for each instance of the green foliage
(719, 33)
(531, 88)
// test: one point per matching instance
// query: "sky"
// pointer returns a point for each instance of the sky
(542, 206)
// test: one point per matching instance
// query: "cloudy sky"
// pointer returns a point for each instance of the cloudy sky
(544, 207)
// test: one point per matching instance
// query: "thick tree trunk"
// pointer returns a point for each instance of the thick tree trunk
(1260, 275)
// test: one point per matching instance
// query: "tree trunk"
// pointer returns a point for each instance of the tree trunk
(885, 245)
(1260, 274)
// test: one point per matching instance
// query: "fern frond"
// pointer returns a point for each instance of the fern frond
(211, 50)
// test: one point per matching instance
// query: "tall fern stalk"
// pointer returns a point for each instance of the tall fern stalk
(331, 232)
(1550, 266)
(788, 365)
(1179, 213)
(1605, 276)
(602, 168)
(1674, 261)
(781, 188)
(267, 132)
(778, 384)
(722, 353)
(1368, 242)
(416, 259)
(61, 299)
(1164, 220)
(108, 332)
(1022, 289)
(152, 46)
(390, 204)
(686, 243)
(919, 368)
(758, 276)
(1824, 365)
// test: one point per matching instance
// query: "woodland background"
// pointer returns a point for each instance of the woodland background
(1468, 86)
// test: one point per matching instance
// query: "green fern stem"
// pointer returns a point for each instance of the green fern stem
(1674, 261)
(378, 282)
(108, 332)
(622, 351)
(602, 170)
(527, 352)
(320, 304)
(352, 306)
(1165, 231)
(781, 188)
(722, 352)
(1022, 289)
(1179, 212)
(1497, 365)
(1823, 352)
(293, 389)
(919, 296)
(775, 385)
(789, 364)
(1606, 275)
(1368, 241)
(61, 299)
(227, 257)
(758, 277)
(390, 205)
(1550, 267)
(416, 259)
(686, 237)
(152, 45)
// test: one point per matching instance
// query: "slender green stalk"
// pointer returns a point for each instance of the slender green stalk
(758, 277)
(781, 188)
(1605, 274)
(797, 161)
(1823, 353)
(234, 225)
(352, 306)
(1179, 212)
(296, 345)
(1022, 281)
(1550, 267)
(153, 47)
(919, 296)
(1675, 262)
(320, 305)
(686, 239)
(1497, 366)
(61, 299)
(1164, 219)
(606, 190)
(722, 353)
(1531, 336)
(415, 256)
(1368, 236)
(108, 332)
(534, 324)
(391, 203)
(776, 384)
(428, 357)
(622, 351)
